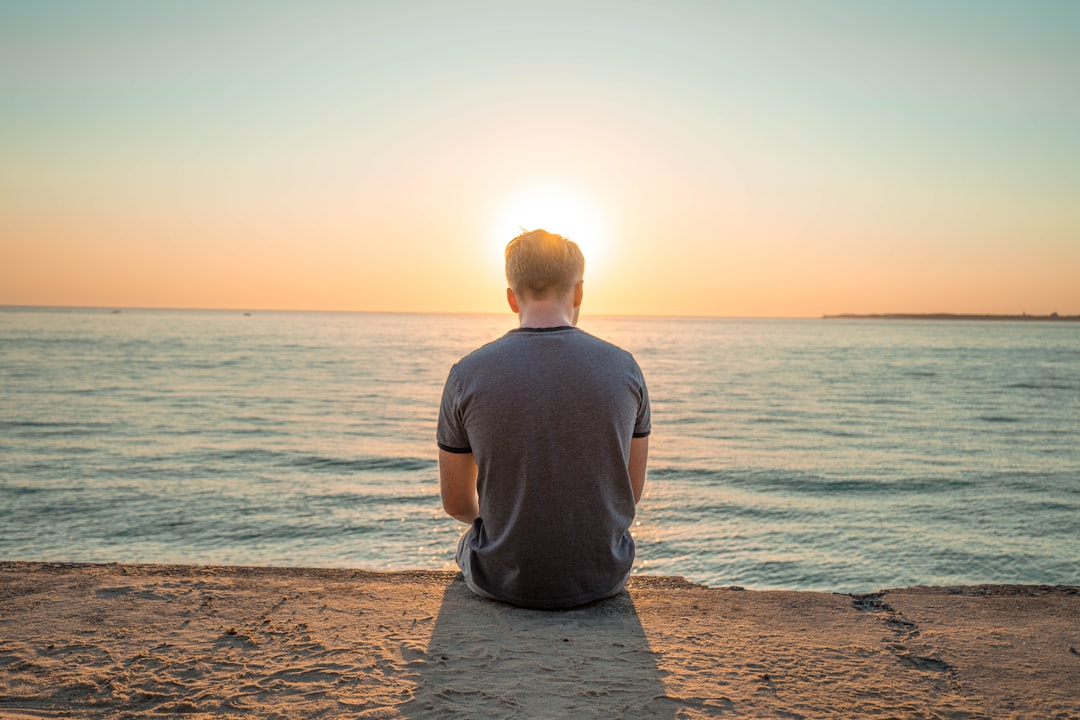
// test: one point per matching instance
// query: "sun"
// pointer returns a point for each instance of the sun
(562, 210)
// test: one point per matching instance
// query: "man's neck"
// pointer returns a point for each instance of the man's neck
(546, 314)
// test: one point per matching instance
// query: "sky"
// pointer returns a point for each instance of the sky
(737, 159)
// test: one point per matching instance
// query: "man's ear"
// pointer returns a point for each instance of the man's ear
(578, 291)
(512, 299)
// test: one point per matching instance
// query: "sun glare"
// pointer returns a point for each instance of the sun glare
(560, 210)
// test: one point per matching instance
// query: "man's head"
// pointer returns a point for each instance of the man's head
(540, 264)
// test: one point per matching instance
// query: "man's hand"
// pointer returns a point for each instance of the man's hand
(457, 485)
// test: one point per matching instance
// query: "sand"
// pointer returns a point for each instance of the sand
(111, 641)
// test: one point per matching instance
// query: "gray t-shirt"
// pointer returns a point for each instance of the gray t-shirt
(548, 414)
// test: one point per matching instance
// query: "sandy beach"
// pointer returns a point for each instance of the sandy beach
(81, 640)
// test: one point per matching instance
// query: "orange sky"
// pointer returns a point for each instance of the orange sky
(712, 158)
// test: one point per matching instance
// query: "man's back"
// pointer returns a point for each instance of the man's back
(549, 414)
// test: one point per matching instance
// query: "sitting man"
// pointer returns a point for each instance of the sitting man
(543, 442)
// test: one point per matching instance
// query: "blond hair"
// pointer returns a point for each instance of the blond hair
(538, 262)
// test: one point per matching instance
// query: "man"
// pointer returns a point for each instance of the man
(543, 441)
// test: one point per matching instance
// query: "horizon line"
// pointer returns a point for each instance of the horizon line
(823, 316)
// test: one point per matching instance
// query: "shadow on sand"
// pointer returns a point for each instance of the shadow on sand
(491, 660)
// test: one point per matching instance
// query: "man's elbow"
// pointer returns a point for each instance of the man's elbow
(461, 510)
(636, 468)
(457, 485)
(450, 507)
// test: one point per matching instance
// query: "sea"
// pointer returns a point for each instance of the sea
(842, 455)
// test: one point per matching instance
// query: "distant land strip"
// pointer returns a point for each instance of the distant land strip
(1052, 317)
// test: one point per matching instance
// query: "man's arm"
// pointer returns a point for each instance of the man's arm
(639, 458)
(457, 485)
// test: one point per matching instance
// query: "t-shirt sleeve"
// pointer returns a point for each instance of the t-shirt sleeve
(450, 432)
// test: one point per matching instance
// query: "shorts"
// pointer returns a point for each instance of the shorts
(463, 558)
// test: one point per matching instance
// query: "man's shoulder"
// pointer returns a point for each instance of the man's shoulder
(600, 345)
(481, 357)
(489, 348)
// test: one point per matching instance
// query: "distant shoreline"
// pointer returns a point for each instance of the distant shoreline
(1053, 317)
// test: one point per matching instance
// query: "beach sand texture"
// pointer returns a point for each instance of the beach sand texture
(81, 640)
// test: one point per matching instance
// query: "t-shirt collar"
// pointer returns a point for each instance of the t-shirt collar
(543, 329)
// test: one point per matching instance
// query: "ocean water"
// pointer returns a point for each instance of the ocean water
(840, 455)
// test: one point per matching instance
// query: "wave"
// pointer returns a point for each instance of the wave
(363, 464)
(1042, 386)
(44, 428)
(785, 481)
(323, 463)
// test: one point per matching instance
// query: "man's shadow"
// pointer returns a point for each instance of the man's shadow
(491, 660)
